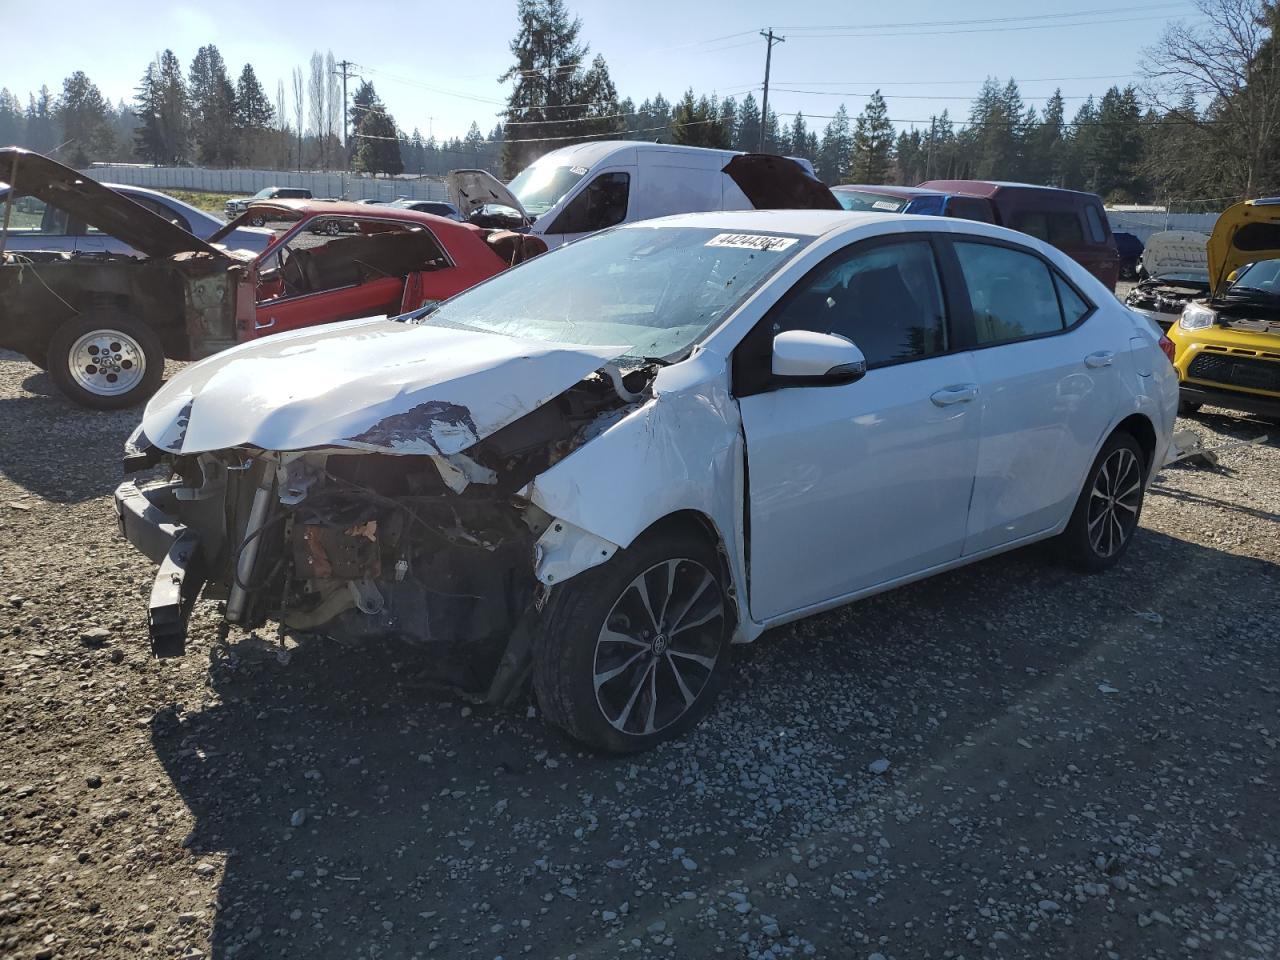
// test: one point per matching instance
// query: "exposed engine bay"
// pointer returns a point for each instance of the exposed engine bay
(1165, 297)
(436, 551)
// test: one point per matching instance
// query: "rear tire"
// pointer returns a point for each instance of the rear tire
(633, 652)
(1109, 508)
(37, 359)
(106, 362)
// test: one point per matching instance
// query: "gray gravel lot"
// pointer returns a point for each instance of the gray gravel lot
(1006, 761)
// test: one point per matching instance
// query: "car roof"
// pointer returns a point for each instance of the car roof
(363, 211)
(805, 223)
(890, 190)
(989, 188)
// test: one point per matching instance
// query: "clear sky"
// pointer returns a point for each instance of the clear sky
(435, 63)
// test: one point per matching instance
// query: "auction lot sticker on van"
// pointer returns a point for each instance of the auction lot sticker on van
(750, 241)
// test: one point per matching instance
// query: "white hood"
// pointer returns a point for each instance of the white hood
(1180, 253)
(469, 190)
(376, 385)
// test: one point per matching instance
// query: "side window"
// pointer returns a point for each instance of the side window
(602, 204)
(969, 208)
(1059, 228)
(1097, 232)
(927, 206)
(1074, 306)
(35, 218)
(1012, 293)
(156, 207)
(334, 252)
(887, 299)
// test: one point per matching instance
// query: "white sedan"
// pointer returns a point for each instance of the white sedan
(601, 468)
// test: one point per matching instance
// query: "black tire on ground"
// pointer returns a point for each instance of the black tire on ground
(1187, 408)
(257, 221)
(40, 360)
(125, 343)
(1107, 513)
(679, 653)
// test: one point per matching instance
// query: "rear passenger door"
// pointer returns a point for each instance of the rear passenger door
(1049, 372)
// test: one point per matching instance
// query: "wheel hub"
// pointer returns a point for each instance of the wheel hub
(107, 362)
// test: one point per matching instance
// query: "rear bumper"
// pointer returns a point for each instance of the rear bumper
(1231, 400)
(147, 521)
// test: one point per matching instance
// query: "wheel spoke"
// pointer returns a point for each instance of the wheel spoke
(716, 611)
(623, 717)
(1130, 492)
(698, 658)
(684, 687)
(653, 698)
(612, 636)
(1120, 534)
(641, 586)
(676, 623)
(603, 678)
(672, 566)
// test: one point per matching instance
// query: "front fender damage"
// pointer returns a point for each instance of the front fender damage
(400, 535)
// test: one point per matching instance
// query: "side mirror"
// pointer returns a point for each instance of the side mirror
(818, 357)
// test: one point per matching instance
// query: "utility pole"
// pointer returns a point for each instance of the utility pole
(768, 56)
(344, 73)
(928, 155)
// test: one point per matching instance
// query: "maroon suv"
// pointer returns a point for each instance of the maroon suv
(1070, 220)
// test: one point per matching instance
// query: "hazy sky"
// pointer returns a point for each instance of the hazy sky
(435, 64)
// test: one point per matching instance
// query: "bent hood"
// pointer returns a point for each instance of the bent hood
(1245, 233)
(1180, 254)
(378, 385)
(469, 190)
(87, 200)
(779, 183)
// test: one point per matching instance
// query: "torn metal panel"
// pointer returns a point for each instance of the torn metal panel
(682, 451)
(380, 386)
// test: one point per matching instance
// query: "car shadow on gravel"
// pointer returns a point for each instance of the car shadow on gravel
(57, 450)
(360, 815)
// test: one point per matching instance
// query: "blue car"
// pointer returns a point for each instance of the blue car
(920, 200)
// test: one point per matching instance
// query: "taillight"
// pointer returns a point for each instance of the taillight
(1167, 346)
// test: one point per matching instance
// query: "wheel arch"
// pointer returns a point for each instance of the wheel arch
(1140, 427)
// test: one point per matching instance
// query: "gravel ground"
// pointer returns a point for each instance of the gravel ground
(1006, 761)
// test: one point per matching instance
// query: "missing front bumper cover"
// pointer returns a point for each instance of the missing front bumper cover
(146, 523)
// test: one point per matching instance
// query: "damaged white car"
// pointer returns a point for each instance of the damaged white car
(600, 469)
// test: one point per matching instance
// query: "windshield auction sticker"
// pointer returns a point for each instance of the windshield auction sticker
(750, 241)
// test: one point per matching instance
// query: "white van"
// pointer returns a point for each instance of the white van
(577, 190)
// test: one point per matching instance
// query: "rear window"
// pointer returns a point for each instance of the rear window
(1097, 230)
(969, 208)
(865, 200)
(1059, 228)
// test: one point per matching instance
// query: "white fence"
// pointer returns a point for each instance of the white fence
(1143, 225)
(325, 184)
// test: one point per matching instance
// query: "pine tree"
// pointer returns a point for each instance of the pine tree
(872, 142)
(600, 99)
(837, 147)
(798, 139)
(12, 122)
(212, 108)
(85, 119)
(748, 125)
(1079, 147)
(729, 120)
(41, 128)
(252, 115)
(377, 137)
(543, 102)
(697, 122)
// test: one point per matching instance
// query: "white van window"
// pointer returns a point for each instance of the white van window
(602, 204)
(539, 187)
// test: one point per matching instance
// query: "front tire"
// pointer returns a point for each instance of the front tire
(1109, 508)
(633, 652)
(106, 363)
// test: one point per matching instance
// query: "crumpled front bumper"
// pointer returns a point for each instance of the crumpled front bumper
(148, 521)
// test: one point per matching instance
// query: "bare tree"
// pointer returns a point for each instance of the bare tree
(333, 105)
(318, 97)
(282, 125)
(299, 109)
(1231, 62)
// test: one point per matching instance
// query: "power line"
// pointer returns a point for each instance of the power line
(576, 136)
(947, 33)
(988, 20)
(918, 83)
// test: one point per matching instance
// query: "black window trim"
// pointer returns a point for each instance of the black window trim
(580, 191)
(966, 304)
(760, 345)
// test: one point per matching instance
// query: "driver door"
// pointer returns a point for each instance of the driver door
(858, 484)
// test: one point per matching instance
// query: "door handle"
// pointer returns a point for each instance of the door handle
(1102, 358)
(958, 393)
(265, 326)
